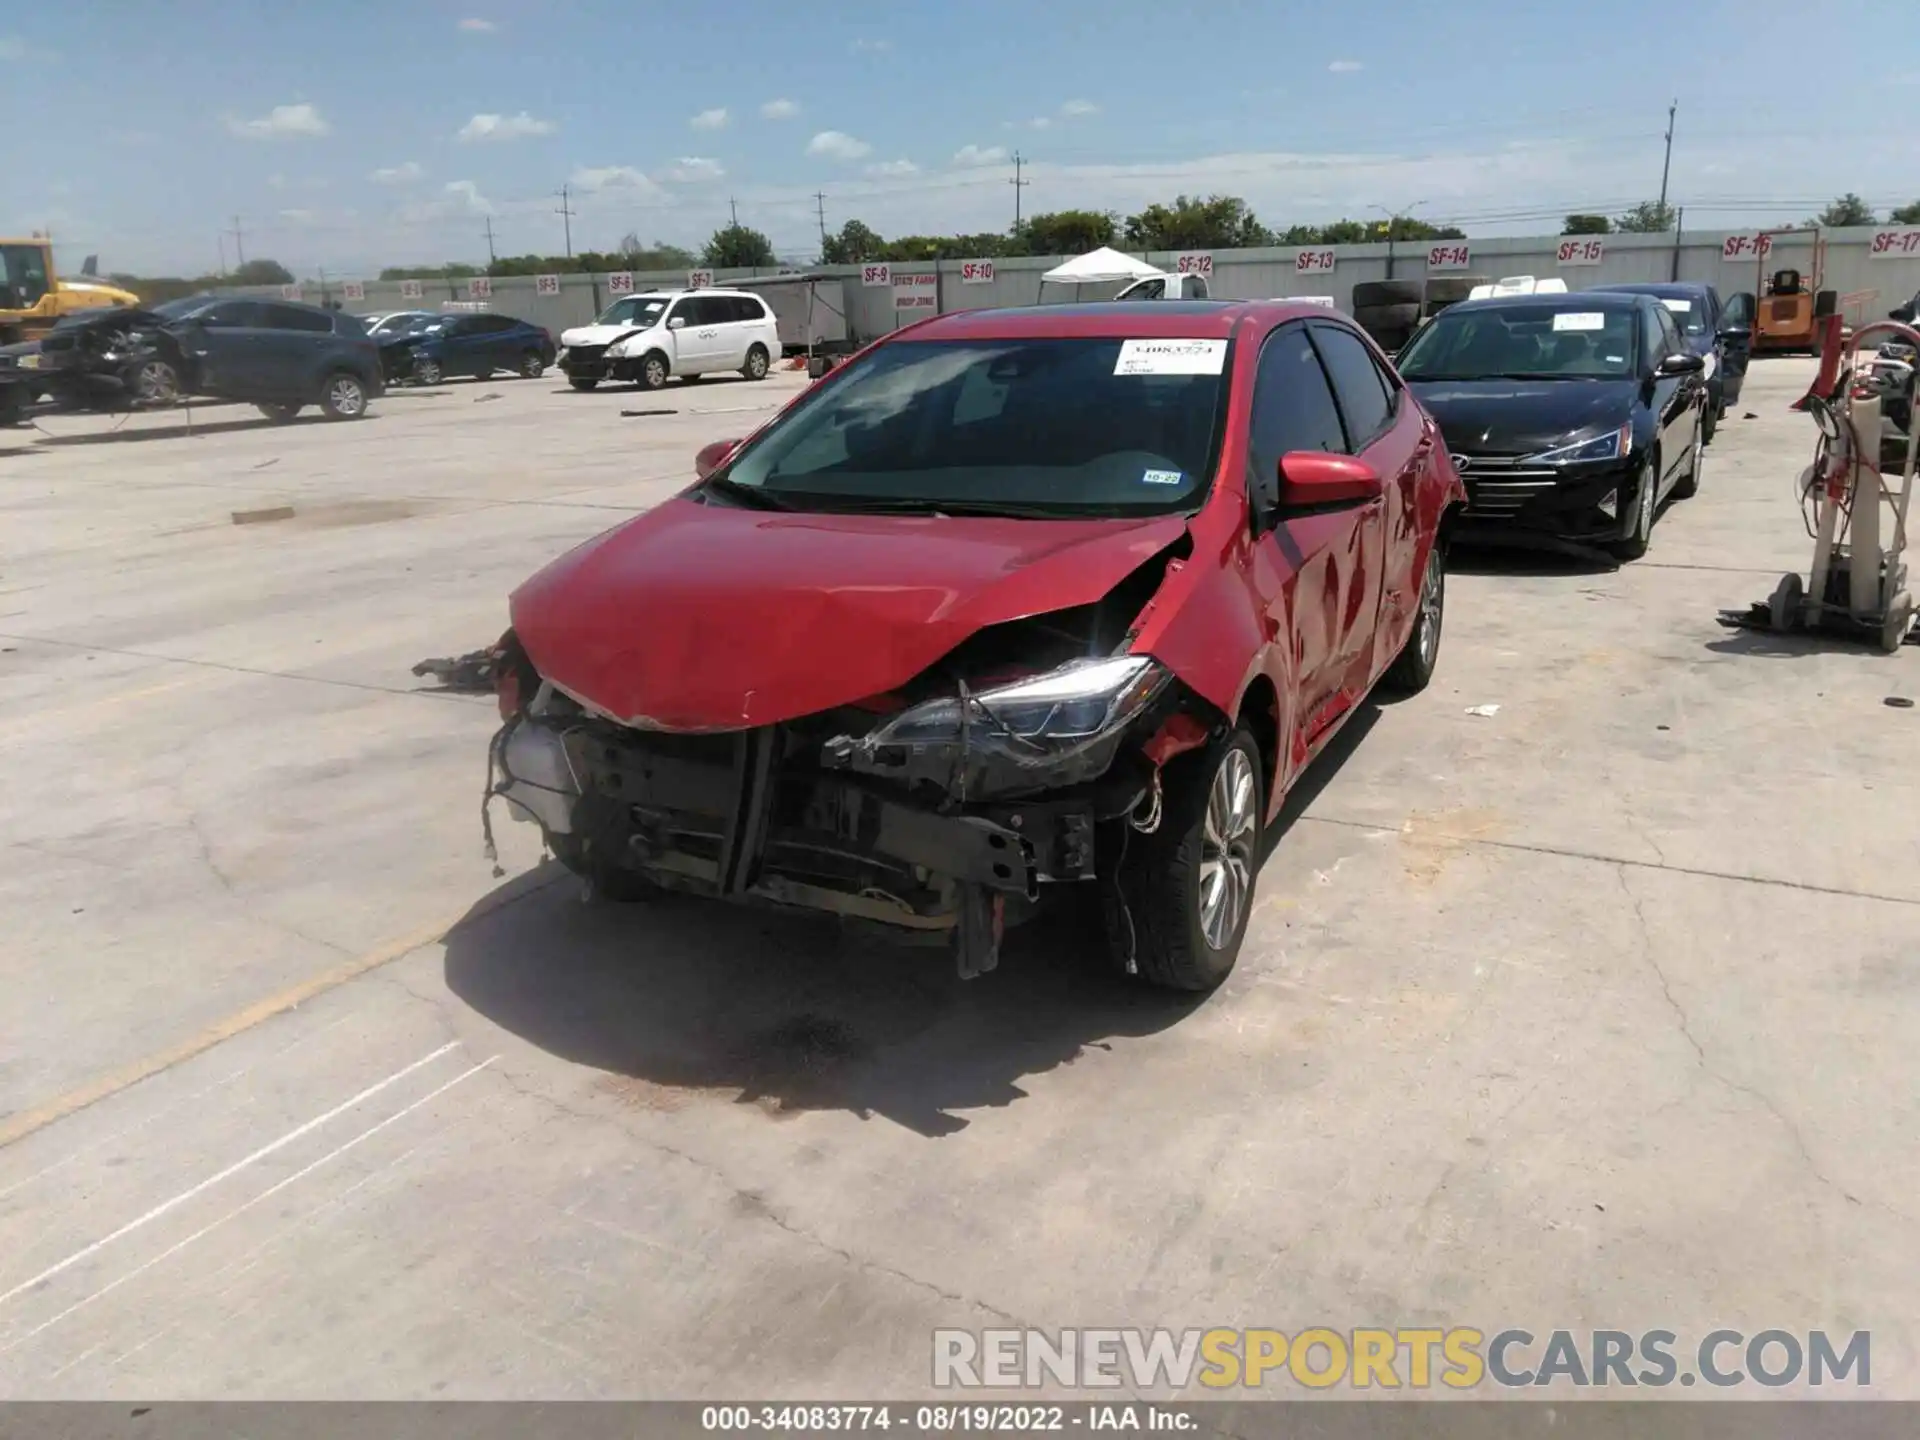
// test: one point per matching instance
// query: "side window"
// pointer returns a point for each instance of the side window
(1197, 287)
(233, 315)
(1670, 341)
(1356, 384)
(1391, 383)
(748, 309)
(681, 310)
(1293, 405)
(290, 317)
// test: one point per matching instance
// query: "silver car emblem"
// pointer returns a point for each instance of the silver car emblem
(1461, 462)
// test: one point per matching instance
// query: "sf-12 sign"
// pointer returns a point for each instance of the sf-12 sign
(976, 272)
(1894, 244)
(1313, 262)
(410, 290)
(353, 290)
(546, 284)
(1194, 262)
(876, 275)
(1449, 257)
(1590, 251)
(620, 282)
(480, 288)
(1746, 247)
(290, 292)
(699, 280)
(916, 292)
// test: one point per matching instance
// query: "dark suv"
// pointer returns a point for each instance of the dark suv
(280, 354)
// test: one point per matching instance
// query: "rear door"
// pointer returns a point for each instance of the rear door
(704, 339)
(499, 340)
(1674, 396)
(294, 341)
(461, 349)
(228, 343)
(1311, 569)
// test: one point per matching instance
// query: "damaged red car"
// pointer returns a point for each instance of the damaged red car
(1014, 601)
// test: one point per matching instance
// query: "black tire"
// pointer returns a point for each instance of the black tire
(156, 384)
(583, 382)
(532, 365)
(1687, 488)
(1710, 417)
(280, 414)
(1386, 317)
(1153, 908)
(622, 886)
(1445, 290)
(757, 364)
(343, 396)
(654, 371)
(1371, 294)
(1644, 515)
(692, 379)
(1412, 668)
(427, 371)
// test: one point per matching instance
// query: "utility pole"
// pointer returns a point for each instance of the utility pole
(1018, 185)
(733, 212)
(565, 212)
(820, 204)
(492, 259)
(239, 244)
(221, 236)
(1666, 165)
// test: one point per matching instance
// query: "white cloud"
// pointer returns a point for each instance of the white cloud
(779, 110)
(505, 127)
(872, 47)
(980, 155)
(715, 119)
(594, 179)
(1040, 122)
(280, 123)
(402, 174)
(1079, 107)
(298, 217)
(838, 145)
(692, 170)
(474, 25)
(894, 167)
(466, 196)
(1345, 67)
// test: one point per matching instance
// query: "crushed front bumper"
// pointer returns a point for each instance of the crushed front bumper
(583, 362)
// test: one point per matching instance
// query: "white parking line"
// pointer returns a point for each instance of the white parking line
(239, 1210)
(234, 1169)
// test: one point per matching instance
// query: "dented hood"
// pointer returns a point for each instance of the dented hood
(703, 617)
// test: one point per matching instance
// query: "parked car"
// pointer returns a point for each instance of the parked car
(432, 348)
(1570, 417)
(690, 333)
(1070, 593)
(1721, 341)
(112, 357)
(279, 354)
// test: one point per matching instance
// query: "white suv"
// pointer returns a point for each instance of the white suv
(646, 338)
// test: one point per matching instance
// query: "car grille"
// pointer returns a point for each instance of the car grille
(586, 353)
(1498, 485)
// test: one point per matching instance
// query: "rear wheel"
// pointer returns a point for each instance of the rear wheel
(533, 365)
(757, 363)
(278, 413)
(1178, 907)
(343, 397)
(608, 882)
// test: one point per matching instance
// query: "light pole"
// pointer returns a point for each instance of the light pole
(1392, 216)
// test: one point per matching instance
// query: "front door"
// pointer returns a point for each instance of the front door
(702, 341)
(224, 344)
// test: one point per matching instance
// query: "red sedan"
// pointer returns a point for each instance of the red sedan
(1013, 600)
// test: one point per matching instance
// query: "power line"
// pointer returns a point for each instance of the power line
(1018, 185)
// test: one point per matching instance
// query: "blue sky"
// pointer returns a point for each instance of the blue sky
(361, 134)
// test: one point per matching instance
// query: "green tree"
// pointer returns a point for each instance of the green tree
(1849, 209)
(1649, 217)
(1064, 232)
(261, 272)
(738, 247)
(1586, 225)
(1219, 222)
(1344, 232)
(1298, 235)
(657, 256)
(855, 244)
(1906, 214)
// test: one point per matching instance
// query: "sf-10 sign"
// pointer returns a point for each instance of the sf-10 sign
(1894, 244)
(1746, 247)
(1195, 262)
(1582, 252)
(976, 272)
(1449, 257)
(1313, 262)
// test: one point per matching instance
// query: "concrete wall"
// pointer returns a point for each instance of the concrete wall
(1877, 284)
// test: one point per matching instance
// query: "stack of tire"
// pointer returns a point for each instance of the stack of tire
(1391, 310)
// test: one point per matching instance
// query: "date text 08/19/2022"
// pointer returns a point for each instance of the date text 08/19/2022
(947, 1419)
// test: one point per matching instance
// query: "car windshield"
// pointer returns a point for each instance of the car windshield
(420, 323)
(184, 306)
(640, 310)
(1524, 342)
(1047, 427)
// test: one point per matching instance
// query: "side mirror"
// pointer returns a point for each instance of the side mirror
(1681, 365)
(1737, 334)
(713, 456)
(1903, 313)
(677, 322)
(1313, 478)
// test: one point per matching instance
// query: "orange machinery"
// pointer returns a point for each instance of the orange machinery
(1788, 303)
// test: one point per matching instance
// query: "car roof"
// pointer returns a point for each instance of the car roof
(1184, 319)
(1553, 300)
(1675, 288)
(669, 294)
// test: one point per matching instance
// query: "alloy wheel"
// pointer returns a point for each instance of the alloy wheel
(346, 396)
(1433, 597)
(656, 373)
(156, 384)
(1226, 855)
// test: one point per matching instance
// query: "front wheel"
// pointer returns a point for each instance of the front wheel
(653, 371)
(1412, 669)
(583, 382)
(532, 365)
(427, 371)
(344, 397)
(278, 413)
(156, 384)
(1176, 913)
(757, 363)
(1646, 506)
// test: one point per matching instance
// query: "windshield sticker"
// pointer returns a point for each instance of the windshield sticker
(1171, 357)
(1161, 477)
(1580, 320)
(1679, 307)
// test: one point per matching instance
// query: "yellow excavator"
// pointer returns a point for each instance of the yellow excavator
(33, 296)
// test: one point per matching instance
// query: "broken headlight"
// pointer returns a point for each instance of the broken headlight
(1058, 728)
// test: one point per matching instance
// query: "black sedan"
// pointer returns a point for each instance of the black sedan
(1714, 332)
(1570, 417)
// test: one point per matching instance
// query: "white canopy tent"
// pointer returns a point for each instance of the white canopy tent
(1104, 266)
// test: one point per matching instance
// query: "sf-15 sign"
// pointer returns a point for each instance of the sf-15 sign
(1582, 252)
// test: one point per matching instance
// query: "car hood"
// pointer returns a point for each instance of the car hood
(1519, 417)
(597, 334)
(699, 617)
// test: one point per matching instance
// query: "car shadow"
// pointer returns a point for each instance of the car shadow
(1468, 557)
(680, 997)
(188, 431)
